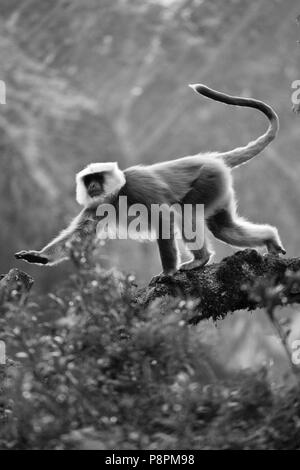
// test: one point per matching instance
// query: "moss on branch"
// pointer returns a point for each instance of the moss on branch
(223, 287)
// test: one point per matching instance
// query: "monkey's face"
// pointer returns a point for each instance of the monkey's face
(96, 181)
(94, 184)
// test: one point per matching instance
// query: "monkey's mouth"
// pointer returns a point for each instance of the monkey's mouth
(94, 193)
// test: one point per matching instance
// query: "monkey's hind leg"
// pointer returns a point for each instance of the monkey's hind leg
(202, 256)
(228, 227)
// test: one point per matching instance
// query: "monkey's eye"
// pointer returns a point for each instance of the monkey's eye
(94, 179)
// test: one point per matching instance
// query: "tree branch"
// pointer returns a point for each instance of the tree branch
(215, 289)
(222, 288)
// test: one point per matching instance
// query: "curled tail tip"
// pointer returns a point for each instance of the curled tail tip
(198, 87)
(194, 86)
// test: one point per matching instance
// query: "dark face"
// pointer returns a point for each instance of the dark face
(94, 184)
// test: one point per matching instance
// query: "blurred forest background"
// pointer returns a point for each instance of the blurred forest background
(102, 80)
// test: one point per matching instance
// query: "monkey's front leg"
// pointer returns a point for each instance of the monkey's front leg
(169, 258)
(51, 254)
(59, 249)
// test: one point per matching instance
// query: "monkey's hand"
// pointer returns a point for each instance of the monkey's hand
(32, 257)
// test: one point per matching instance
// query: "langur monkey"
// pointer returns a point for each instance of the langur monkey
(199, 179)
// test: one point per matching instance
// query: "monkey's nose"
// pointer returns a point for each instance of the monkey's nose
(93, 188)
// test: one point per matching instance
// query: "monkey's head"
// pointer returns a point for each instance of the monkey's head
(98, 180)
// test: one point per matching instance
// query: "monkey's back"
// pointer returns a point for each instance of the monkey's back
(171, 181)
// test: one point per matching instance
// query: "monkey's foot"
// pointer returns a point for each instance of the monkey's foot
(275, 249)
(31, 257)
(162, 277)
(196, 263)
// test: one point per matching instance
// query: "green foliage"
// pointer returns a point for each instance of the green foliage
(88, 368)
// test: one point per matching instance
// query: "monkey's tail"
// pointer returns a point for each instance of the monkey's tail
(241, 155)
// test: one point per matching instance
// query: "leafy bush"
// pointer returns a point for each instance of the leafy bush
(88, 368)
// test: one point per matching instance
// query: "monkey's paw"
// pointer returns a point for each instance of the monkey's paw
(162, 277)
(31, 257)
(195, 264)
(275, 249)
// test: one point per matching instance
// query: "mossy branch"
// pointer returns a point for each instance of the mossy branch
(224, 287)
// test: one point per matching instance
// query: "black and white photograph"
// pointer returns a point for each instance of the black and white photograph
(150, 227)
